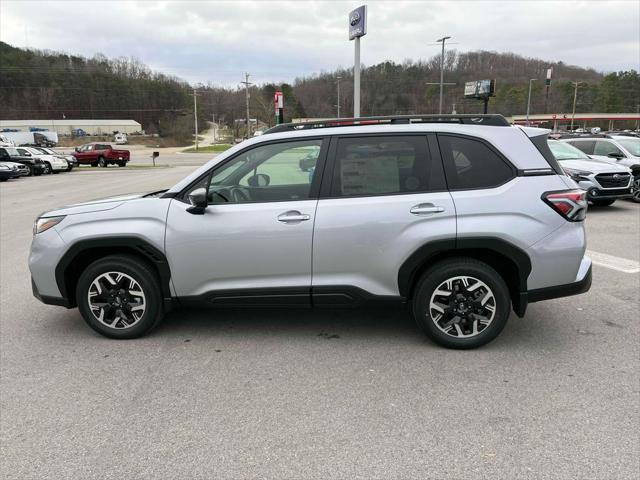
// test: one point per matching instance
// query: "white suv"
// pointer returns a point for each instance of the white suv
(462, 218)
(617, 149)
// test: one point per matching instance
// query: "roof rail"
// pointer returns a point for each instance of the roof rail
(492, 120)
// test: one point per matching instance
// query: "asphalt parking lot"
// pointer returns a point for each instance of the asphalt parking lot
(315, 394)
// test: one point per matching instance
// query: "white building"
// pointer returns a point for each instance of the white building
(64, 127)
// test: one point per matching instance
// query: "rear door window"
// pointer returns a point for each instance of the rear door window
(369, 166)
(470, 163)
(586, 146)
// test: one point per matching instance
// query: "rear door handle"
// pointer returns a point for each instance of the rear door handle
(293, 216)
(426, 208)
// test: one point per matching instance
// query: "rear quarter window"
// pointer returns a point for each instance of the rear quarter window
(471, 164)
(587, 146)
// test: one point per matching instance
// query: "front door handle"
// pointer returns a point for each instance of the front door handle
(426, 208)
(293, 216)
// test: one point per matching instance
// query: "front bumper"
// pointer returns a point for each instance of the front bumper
(47, 299)
(596, 192)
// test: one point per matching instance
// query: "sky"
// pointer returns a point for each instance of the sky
(217, 41)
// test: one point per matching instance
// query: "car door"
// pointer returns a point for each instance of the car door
(253, 242)
(383, 197)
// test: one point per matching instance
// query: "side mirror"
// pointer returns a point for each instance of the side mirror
(616, 155)
(77, 149)
(259, 180)
(198, 200)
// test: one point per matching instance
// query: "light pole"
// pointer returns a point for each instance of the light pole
(195, 115)
(443, 39)
(531, 80)
(338, 84)
(575, 97)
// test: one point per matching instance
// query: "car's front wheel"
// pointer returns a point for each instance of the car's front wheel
(461, 303)
(636, 190)
(119, 297)
(47, 168)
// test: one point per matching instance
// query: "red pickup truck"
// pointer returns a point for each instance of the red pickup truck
(101, 155)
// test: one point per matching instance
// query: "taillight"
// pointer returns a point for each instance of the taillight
(571, 204)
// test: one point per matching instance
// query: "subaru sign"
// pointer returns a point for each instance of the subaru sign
(358, 22)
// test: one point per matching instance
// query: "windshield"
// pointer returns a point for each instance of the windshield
(564, 151)
(632, 145)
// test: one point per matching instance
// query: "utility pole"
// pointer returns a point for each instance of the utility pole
(443, 39)
(213, 125)
(195, 115)
(338, 83)
(246, 91)
(531, 80)
(575, 97)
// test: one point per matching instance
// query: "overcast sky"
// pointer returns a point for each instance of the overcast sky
(203, 41)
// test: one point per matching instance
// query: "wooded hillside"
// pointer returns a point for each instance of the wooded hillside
(41, 84)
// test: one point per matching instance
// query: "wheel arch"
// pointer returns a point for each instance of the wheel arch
(510, 261)
(81, 254)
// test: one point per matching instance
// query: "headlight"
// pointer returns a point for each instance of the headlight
(45, 223)
(4, 167)
(578, 175)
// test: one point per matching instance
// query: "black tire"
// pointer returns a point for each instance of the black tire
(29, 170)
(94, 164)
(122, 164)
(69, 168)
(47, 168)
(147, 281)
(603, 203)
(3, 179)
(436, 276)
(102, 163)
(636, 190)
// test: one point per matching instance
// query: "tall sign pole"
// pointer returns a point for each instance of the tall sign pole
(357, 29)
(575, 98)
(278, 101)
(195, 115)
(547, 84)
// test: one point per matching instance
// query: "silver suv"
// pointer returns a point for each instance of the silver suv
(462, 218)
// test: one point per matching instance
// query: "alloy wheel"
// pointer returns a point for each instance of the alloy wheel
(636, 190)
(116, 300)
(462, 306)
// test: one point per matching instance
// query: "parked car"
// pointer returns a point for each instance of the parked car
(120, 138)
(34, 165)
(101, 155)
(19, 168)
(603, 181)
(620, 149)
(71, 160)
(53, 163)
(8, 170)
(308, 162)
(460, 217)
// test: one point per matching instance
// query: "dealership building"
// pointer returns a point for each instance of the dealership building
(65, 127)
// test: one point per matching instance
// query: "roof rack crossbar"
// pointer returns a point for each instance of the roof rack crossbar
(493, 120)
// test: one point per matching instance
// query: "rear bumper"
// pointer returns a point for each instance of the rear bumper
(581, 285)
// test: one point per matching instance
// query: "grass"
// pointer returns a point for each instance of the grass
(221, 147)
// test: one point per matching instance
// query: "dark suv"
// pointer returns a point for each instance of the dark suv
(34, 165)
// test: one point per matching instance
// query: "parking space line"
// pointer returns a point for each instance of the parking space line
(615, 263)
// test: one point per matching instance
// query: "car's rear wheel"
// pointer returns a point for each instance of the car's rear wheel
(119, 297)
(461, 303)
(603, 203)
(102, 162)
